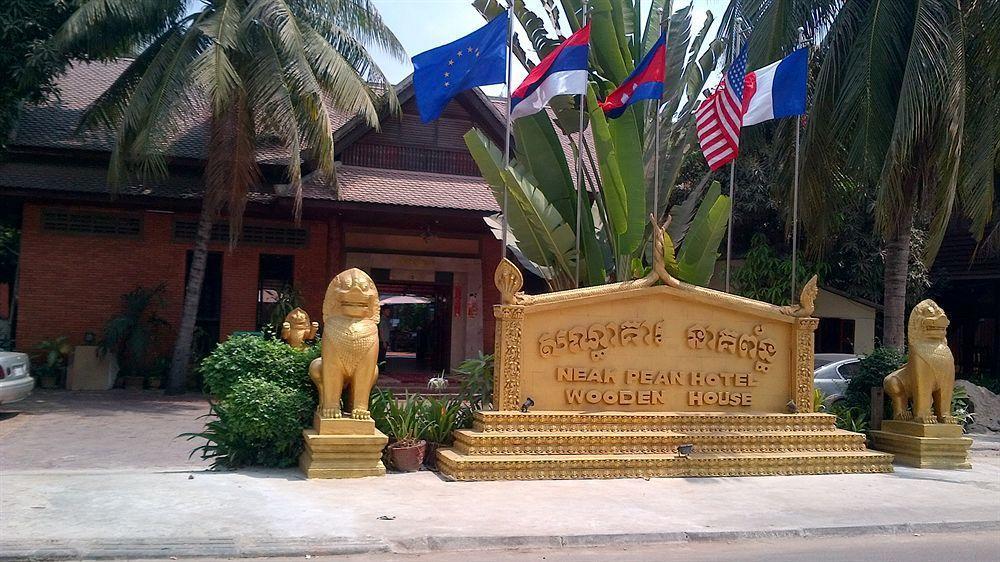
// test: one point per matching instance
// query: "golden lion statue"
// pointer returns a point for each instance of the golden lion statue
(928, 378)
(297, 328)
(349, 348)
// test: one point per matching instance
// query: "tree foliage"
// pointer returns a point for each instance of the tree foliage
(904, 105)
(25, 26)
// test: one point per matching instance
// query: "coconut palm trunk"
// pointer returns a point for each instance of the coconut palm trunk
(897, 260)
(276, 68)
(181, 358)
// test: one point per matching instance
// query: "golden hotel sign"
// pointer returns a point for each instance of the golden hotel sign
(642, 346)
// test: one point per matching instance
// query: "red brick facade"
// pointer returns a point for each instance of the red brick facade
(71, 284)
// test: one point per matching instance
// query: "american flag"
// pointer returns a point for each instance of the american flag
(720, 117)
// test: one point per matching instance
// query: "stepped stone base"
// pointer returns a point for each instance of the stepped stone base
(924, 445)
(560, 445)
(342, 448)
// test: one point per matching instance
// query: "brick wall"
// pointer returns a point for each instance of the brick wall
(72, 283)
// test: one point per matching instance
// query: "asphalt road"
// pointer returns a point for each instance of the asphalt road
(953, 547)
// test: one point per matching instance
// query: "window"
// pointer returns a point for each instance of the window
(848, 370)
(835, 335)
(102, 224)
(274, 286)
(252, 234)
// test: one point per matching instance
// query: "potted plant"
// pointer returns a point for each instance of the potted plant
(52, 371)
(161, 366)
(441, 418)
(406, 426)
(131, 335)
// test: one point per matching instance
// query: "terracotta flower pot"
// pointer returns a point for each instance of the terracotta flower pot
(407, 458)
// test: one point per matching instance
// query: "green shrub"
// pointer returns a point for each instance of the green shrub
(259, 422)
(264, 400)
(405, 420)
(378, 406)
(251, 356)
(871, 372)
(442, 417)
(477, 387)
(851, 418)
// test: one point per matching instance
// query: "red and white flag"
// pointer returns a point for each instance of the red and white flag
(720, 117)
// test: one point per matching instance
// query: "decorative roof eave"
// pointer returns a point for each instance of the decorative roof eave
(474, 100)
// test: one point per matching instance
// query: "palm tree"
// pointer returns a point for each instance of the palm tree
(262, 67)
(904, 104)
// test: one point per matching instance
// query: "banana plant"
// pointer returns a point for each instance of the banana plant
(617, 154)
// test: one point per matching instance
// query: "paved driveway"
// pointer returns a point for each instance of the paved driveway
(117, 429)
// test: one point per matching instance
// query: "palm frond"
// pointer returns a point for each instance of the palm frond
(107, 28)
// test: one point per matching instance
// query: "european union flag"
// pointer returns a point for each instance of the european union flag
(478, 59)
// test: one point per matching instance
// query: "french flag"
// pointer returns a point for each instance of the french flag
(645, 82)
(777, 90)
(563, 71)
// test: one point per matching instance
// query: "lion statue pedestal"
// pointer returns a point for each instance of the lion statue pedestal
(923, 432)
(346, 444)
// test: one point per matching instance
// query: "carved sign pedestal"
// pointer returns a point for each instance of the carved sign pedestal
(610, 381)
(342, 448)
(939, 445)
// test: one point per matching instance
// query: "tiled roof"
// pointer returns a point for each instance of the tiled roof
(354, 184)
(403, 187)
(52, 124)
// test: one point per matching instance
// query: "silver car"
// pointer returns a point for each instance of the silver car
(15, 377)
(833, 371)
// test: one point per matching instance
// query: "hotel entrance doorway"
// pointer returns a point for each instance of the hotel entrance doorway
(416, 318)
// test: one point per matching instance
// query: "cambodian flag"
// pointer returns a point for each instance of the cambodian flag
(563, 71)
(645, 82)
(777, 90)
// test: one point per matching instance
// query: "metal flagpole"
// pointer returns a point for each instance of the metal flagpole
(506, 138)
(732, 173)
(795, 190)
(579, 166)
(656, 136)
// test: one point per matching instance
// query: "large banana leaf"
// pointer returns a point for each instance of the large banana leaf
(696, 260)
(606, 43)
(615, 194)
(490, 162)
(627, 137)
(538, 149)
(544, 220)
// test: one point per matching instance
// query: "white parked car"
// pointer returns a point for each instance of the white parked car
(833, 371)
(15, 376)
